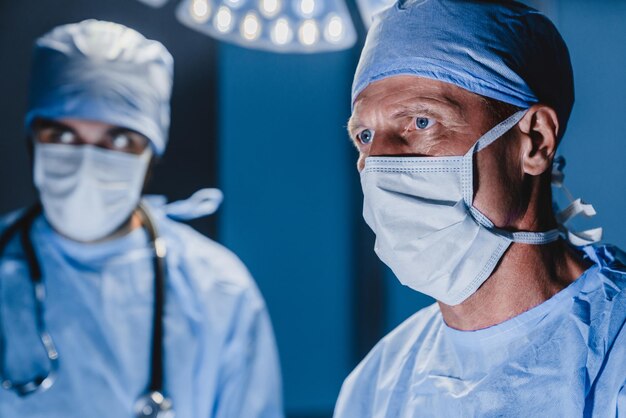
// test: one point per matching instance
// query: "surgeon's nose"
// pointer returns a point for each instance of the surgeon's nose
(385, 145)
(389, 145)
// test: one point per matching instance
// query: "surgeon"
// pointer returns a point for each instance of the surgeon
(458, 109)
(109, 308)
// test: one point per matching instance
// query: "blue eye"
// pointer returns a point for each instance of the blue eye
(365, 136)
(424, 123)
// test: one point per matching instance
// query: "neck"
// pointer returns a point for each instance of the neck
(133, 223)
(527, 276)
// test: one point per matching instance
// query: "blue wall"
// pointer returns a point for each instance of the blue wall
(287, 170)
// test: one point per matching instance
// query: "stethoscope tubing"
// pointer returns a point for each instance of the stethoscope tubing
(154, 389)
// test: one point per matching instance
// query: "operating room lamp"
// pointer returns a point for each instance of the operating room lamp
(304, 26)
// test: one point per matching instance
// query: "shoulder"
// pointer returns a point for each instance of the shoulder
(598, 310)
(6, 221)
(208, 266)
(607, 256)
(607, 283)
(612, 262)
(191, 245)
(605, 314)
(387, 360)
(409, 336)
(10, 218)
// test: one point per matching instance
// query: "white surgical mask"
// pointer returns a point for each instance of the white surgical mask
(427, 230)
(88, 192)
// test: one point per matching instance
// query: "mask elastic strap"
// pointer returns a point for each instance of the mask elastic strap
(467, 182)
(498, 130)
(533, 238)
(522, 237)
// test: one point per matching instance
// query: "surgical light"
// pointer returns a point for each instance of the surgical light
(235, 4)
(272, 25)
(154, 3)
(281, 32)
(223, 20)
(200, 10)
(308, 33)
(269, 8)
(334, 29)
(250, 27)
(306, 7)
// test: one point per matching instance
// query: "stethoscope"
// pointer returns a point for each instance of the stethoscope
(153, 403)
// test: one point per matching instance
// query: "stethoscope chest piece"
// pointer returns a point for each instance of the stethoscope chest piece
(154, 405)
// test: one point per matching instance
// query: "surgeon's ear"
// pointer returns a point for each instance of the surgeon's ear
(540, 132)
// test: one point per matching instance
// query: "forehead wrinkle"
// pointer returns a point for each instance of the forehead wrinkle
(406, 100)
(413, 109)
(42, 123)
(437, 106)
(353, 124)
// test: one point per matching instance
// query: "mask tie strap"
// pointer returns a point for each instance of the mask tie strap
(467, 181)
(202, 203)
(535, 238)
(522, 237)
(498, 130)
(577, 207)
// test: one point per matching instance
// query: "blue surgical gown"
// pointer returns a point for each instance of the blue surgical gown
(563, 358)
(220, 355)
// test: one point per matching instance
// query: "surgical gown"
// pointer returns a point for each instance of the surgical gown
(563, 358)
(220, 355)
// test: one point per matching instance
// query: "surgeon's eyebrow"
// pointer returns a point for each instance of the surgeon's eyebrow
(117, 130)
(444, 109)
(42, 123)
(353, 126)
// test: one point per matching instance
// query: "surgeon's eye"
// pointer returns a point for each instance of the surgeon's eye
(125, 140)
(424, 123)
(120, 142)
(67, 137)
(55, 135)
(366, 136)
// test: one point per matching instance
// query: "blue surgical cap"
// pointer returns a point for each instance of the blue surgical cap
(503, 50)
(105, 72)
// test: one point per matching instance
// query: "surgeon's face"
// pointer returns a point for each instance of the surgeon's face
(87, 132)
(413, 116)
(89, 194)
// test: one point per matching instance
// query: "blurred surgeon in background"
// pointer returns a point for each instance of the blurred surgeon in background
(108, 307)
(458, 109)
